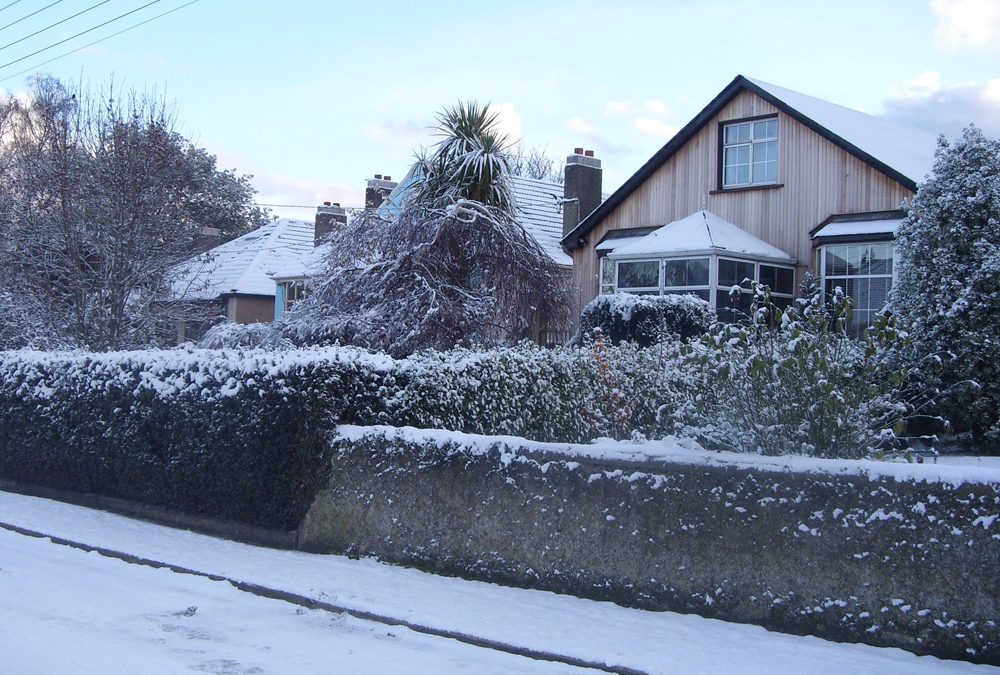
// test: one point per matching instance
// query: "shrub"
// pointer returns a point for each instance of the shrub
(947, 290)
(239, 436)
(793, 381)
(645, 319)
(560, 394)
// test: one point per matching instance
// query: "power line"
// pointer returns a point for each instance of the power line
(302, 206)
(29, 15)
(9, 5)
(91, 44)
(11, 44)
(100, 25)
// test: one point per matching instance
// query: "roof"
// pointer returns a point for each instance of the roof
(539, 207)
(701, 232)
(855, 226)
(243, 265)
(903, 153)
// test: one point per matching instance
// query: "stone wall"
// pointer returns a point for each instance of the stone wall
(887, 561)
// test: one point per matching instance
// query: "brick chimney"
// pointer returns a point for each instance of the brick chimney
(206, 238)
(581, 188)
(378, 189)
(329, 217)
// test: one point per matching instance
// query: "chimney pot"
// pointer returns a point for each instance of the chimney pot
(378, 176)
(589, 153)
(388, 177)
(577, 151)
(326, 203)
(335, 204)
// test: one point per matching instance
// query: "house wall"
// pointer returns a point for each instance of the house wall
(250, 309)
(819, 179)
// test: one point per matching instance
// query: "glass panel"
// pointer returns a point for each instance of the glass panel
(731, 134)
(607, 272)
(685, 272)
(743, 132)
(742, 154)
(743, 173)
(733, 272)
(643, 274)
(772, 128)
(771, 175)
(730, 178)
(771, 151)
(759, 173)
(697, 270)
(836, 260)
(881, 258)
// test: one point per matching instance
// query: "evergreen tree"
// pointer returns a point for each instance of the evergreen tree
(947, 288)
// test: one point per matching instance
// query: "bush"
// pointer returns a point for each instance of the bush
(239, 436)
(232, 335)
(645, 319)
(560, 394)
(947, 290)
(793, 381)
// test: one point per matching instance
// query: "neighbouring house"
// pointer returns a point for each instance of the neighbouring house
(765, 184)
(233, 280)
(545, 209)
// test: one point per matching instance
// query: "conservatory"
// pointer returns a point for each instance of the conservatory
(700, 255)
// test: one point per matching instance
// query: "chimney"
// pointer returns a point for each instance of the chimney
(206, 238)
(378, 189)
(329, 217)
(581, 188)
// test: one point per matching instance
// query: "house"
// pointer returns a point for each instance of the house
(764, 183)
(233, 279)
(543, 209)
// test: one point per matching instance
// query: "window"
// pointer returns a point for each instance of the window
(294, 291)
(864, 272)
(641, 277)
(781, 281)
(750, 153)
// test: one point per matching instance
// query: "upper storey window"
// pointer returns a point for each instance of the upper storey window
(750, 153)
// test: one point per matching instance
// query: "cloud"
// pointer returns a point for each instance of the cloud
(509, 121)
(658, 108)
(654, 127)
(618, 107)
(967, 24)
(400, 135)
(928, 103)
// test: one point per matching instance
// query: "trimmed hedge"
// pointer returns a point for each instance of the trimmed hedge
(645, 319)
(235, 436)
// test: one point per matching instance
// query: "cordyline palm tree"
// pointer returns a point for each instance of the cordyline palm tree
(470, 162)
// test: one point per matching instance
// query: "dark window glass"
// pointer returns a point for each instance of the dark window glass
(645, 274)
(733, 272)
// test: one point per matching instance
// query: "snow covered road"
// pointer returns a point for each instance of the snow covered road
(64, 610)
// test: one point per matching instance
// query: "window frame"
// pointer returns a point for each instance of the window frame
(723, 146)
(856, 327)
(722, 290)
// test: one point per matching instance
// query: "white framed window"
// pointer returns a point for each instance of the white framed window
(750, 153)
(294, 291)
(641, 277)
(780, 279)
(690, 276)
(864, 271)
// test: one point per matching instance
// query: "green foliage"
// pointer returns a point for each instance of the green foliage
(793, 381)
(947, 289)
(470, 162)
(645, 319)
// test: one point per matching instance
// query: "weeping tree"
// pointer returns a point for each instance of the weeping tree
(455, 265)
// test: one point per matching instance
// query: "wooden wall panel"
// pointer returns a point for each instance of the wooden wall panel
(819, 179)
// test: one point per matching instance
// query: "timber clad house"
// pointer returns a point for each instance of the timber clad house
(764, 184)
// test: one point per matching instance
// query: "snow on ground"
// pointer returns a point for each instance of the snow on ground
(66, 611)
(110, 610)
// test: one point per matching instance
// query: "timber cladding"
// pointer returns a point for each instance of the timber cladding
(816, 179)
(888, 562)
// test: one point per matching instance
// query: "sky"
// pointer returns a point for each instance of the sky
(313, 97)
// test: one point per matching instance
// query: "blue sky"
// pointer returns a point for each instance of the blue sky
(313, 97)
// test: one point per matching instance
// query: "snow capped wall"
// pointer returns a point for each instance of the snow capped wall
(892, 559)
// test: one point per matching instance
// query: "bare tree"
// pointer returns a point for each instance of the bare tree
(103, 200)
(534, 163)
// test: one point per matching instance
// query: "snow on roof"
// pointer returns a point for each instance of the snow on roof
(614, 244)
(244, 265)
(908, 150)
(701, 232)
(539, 206)
(857, 227)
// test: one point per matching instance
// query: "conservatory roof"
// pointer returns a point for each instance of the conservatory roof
(243, 265)
(701, 232)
